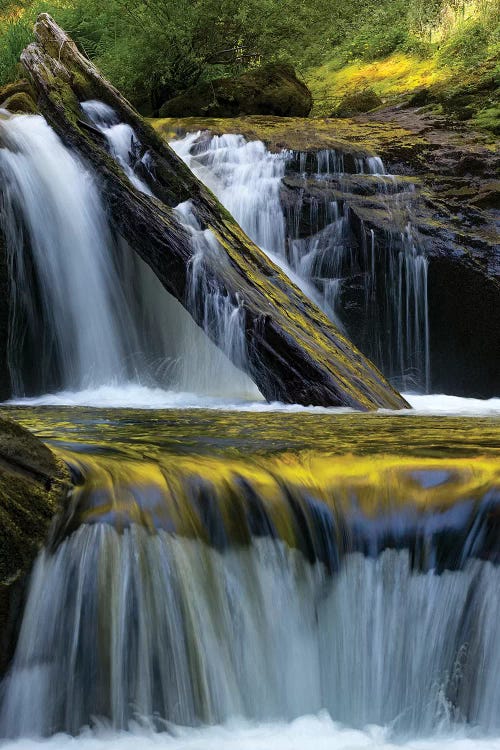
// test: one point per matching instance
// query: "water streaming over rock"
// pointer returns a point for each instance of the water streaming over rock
(82, 315)
(272, 607)
(319, 237)
(159, 626)
(86, 311)
(264, 566)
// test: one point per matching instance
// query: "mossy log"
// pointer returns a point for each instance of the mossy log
(295, 354)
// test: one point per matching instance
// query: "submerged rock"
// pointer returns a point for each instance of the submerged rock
(33, 485)
(270, 90)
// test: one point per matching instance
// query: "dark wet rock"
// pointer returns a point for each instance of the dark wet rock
(270, 90)
(454, 207)
(354, 104)
(5, 382)
(33, 487)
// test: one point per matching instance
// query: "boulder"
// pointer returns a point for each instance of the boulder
(33, 486)
(355, 104)
(273, 89)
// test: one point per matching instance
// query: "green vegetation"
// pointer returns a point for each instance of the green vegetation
(154, 50)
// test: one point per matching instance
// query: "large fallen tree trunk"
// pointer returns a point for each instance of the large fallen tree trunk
(293, 353)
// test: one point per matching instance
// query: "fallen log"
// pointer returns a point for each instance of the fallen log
(294, 353)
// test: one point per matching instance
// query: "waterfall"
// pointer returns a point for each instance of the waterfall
(82, 316)
(201, 364)
(247, 178)
(332, 257)
(159, 626)
(209, 567)
(86, 311)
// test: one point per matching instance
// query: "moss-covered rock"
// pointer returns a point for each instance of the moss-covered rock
(354, 104)
(270, 90)
(33, 486)
(20, 104)
(471, 97)
(18, 97)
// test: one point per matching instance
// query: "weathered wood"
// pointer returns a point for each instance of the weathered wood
(295, 354)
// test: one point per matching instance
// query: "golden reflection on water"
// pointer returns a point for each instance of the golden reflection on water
(160, 467)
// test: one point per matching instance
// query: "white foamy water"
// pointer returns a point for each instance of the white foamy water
(136, 396)
(164, 626)
(443, 404)
(84, 309)
(248, 179)
(306, 733)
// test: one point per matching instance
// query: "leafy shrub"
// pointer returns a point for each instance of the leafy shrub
(467, 46)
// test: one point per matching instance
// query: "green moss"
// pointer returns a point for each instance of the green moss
(33, 484)
(311, 134)
(20, 103)
(392, 79)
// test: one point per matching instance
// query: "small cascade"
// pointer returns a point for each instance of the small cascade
(160, 627)
(220, 316)
(322, 234)
(247, 179)
(213, 566)
(123, 143)
(199, 366)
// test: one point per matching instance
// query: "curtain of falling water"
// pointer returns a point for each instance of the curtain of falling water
(94, 314)
(52, 205)
(154, 625)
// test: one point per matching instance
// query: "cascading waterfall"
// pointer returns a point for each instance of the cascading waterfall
(266, 607)
(248, 180)
(214, 567)
(168, 628)
(84, 315)
(203, 367)
(91, 313)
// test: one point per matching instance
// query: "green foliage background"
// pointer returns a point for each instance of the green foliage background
(154, 49)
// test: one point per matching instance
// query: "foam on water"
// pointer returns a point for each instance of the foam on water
(136, 396)
(440, 403)
(306, 733)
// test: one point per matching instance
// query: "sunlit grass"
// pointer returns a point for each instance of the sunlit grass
(390, 78)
